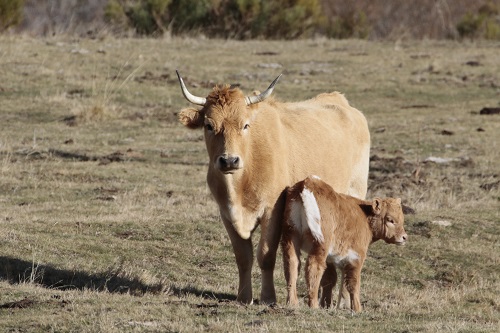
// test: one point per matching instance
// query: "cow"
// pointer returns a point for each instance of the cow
(257, 146)
(336, 228)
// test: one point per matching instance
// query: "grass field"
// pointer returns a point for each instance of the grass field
(107, 225)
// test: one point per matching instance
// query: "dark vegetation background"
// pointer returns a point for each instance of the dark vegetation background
(249, 19)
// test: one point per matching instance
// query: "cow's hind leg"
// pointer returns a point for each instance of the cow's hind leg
(328, 282)
(243, 251)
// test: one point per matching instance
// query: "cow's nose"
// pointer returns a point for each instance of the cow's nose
(229, 162)
(405, 237)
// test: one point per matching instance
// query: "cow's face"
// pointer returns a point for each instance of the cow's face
(389, 216)
(226, 117)
(226, 122)
(227, 126)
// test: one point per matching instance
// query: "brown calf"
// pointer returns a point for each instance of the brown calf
(334, 228)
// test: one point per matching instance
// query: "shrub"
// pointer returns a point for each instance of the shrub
(145, 16)
(234, 18)
(290, 18)
(349, 25)
(188, 15)
(469, 25)
(269, 19)
(11, 13)
(482, 24)
(114, 13)
(492, 30)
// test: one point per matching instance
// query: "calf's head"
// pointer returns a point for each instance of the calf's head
(226, 116)
(387, 221)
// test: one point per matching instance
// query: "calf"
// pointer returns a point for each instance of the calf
(333, 228)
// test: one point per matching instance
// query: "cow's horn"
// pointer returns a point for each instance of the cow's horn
(259, 98)
(190, 97)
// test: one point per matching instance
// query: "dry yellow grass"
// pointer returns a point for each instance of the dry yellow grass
(107, 225)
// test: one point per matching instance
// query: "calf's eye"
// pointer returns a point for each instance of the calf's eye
(247, 126)
(209, 127)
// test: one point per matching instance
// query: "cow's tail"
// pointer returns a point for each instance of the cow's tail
(311, 217)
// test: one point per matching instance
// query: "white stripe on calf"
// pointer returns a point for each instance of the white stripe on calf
(313, 216)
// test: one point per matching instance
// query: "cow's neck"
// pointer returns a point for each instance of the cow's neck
(238, 204)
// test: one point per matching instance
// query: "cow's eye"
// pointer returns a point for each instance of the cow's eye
(209, 127)
(390, 220)
(247, 126)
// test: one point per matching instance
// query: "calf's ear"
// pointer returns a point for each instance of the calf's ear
(191, 118)
(398, 201)
(377, 206)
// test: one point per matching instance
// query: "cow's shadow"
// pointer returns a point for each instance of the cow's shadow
(17, 271)
(206, 294)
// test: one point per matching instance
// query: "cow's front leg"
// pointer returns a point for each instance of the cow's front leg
(266, 257)
(270, 225)
(243, 251)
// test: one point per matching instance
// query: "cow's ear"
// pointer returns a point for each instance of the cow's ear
(377, 206)
(398, 201)
(191, 118)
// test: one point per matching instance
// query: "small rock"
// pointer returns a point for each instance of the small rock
(269, 65)
(442, 223)
(407, 210)
(490, 186)
(487, 111)
(473, 63)
(80, 51)
(268, 53)
(446, 160)
(107, 198)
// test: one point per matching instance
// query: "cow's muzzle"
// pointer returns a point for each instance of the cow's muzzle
(228, 163)
(402, 240)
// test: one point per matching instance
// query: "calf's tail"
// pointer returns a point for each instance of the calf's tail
(305, 215)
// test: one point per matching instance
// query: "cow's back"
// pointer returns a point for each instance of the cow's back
(327, 137)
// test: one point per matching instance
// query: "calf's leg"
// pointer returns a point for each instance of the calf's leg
(315, 266)
(353, 285)
(291, 264)
(328, 282)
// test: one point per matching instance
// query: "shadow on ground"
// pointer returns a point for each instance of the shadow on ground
(20, 271)
(16, 271)
(206, 294)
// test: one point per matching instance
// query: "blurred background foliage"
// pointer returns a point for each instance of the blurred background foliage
(11, 12)
(249, 19)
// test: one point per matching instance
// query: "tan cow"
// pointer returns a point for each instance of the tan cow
(335, 228)
(257, 147)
